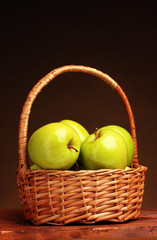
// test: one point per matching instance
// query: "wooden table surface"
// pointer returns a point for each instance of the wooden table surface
(14, 226)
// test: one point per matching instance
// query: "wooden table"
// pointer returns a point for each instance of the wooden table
(14, 226)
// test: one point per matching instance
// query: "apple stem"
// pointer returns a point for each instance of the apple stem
(76, 166)
(96, 133)
(70, 147)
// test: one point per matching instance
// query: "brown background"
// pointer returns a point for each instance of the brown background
(116, 37)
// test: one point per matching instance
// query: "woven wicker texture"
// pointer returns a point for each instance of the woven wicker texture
(62, 197)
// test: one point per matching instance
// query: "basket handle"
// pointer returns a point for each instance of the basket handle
(24, 117)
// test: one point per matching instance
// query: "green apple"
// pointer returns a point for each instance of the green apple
(35, 167)
(54, 146)
(82, 132)
(104, 150)
(127, 168)
(128, 139)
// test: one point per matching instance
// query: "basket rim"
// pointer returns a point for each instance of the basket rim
(78, 172)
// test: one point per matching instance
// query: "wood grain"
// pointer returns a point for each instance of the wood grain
(14, 226)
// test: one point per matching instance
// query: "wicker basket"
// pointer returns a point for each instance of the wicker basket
(86, 196)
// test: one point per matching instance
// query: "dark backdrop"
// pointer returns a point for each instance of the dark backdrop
(116, 37)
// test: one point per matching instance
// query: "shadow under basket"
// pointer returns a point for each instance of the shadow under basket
(87, 196)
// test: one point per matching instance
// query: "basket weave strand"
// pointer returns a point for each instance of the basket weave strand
(62, 197)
